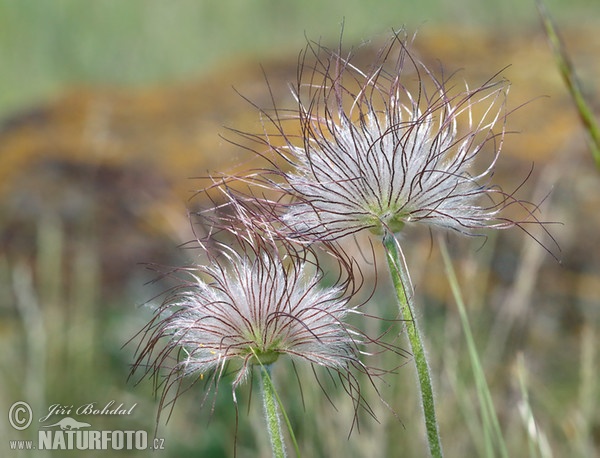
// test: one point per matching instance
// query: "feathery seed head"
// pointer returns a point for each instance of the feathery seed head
(253, 301)
(375, 153)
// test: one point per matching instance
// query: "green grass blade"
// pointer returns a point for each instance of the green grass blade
(489, 418)
(567, 72)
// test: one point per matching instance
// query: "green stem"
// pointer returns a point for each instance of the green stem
(271, 413)
(402, 284)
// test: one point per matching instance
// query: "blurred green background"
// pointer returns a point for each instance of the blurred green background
(45, 46)
(107, 108)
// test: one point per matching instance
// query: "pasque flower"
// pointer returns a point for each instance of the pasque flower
(252, 301)
(385, 147)
(378, 149)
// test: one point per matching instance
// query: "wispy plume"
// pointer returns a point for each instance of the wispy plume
(251, 301)
(384, 147)
(378, 148)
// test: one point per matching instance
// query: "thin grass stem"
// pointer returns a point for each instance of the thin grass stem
(536, 439)
(567, 72)
(491, 425)
(402, 284)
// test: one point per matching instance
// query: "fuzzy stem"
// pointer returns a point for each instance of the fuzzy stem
(402, 284)
(271, 413)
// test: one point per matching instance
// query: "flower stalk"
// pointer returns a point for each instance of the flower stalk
(402, 285)
(272, 413)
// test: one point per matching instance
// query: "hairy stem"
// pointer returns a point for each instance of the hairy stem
(402, 284)
(272, 413)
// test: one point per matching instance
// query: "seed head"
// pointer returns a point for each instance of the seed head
(385, 147)
(253, 301)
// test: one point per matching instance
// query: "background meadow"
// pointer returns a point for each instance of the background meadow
(109, 109)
